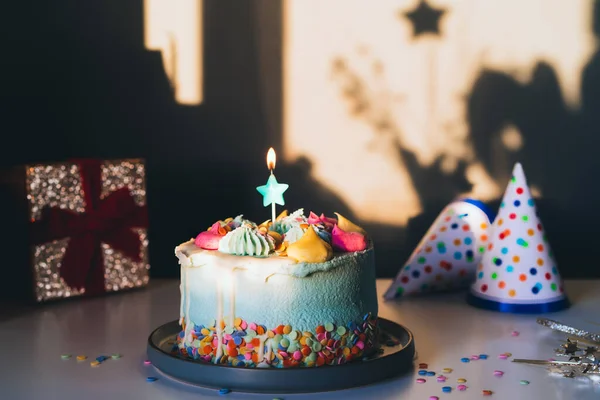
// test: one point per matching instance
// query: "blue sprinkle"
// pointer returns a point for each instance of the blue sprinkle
(533, 271)
(224, 391)
(483, 356)
(407, 268)
(237, 340)
(468, 241)
(430, 373)
(517, 203)
(454, 225)
(509, 268)
(181, 334)
(497, 261)
(504, 250)
(416, 274)
(457, 255)
(151, 379)
(446, 389)
(465, 359)
(422, 372)
(480, 274)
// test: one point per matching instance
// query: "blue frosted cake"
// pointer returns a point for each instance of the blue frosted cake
(299, 292)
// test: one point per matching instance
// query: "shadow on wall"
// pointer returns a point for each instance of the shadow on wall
(558, 153)
(78, 82)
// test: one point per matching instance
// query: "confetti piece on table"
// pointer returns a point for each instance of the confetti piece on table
(147, 362)
(422, 372)
(483, 356)
(81, 358)
(474, 357)
(487, 392)
(498, 373)
(465, 360)
(224, 391)
(423, 366)
(116, 356)
(524, 382)
(503, 356)
(430, 373)
(151, 379)
(515, 333)
(447, 370)
(94, 363)
(421, 380)
(462, 388)
(446, 389)
(441, 378)
(434, 398)
(65, 356)
(461, 380)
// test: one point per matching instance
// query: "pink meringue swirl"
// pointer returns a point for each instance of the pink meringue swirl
(348, 241)
(209, 240)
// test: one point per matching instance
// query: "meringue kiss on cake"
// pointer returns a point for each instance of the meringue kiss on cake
(296, 292)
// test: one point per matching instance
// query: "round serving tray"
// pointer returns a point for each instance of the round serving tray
(397, 358)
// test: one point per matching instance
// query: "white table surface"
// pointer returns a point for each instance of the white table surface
(445, 328)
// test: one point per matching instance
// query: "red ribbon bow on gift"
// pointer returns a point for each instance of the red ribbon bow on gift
(108, 220)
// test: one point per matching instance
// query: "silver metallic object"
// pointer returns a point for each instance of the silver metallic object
(581, 348)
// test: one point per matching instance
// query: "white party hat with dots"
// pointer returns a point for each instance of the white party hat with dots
(517, 272)
(447, 256)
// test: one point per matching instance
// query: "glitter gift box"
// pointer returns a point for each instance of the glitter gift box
(76, 228)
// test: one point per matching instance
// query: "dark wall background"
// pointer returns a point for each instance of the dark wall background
(76, 81)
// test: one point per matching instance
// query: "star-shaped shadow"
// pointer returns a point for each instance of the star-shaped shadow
(424, 18)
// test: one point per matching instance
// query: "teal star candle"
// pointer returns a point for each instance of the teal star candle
(273, 191)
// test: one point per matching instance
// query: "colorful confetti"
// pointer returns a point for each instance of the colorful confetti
(422, 372)
(461, 380)
(524, 382)
(421, 380)
(115, 356)
(65, 356)
(447, 370)
(465, 359)
(498, 373)
(423, 366)
(446, 389)
(147, 362)
(487, 392)
(430, 373)
(151, 379)
(441, 378)
(462, 388)
(224, 391)
(516, 333)
(94, 363)
(81, 358)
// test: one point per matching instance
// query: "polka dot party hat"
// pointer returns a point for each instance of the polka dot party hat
(448, 255)
(517, 272)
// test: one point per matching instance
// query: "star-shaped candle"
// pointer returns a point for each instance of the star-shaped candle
(273, 191)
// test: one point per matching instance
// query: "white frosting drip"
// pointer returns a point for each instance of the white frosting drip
(219, 352)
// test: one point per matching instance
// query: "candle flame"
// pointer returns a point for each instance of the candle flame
(271, 159)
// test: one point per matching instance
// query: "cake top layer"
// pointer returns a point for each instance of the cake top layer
(312, 239)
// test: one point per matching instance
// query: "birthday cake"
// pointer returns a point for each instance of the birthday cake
(299, 292)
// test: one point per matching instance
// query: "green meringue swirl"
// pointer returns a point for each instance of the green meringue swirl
(246, 241)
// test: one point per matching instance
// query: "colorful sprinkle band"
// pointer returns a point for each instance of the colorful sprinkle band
(250, 344)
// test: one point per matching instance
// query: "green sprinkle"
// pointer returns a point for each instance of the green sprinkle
(293, 335)
(329, 327)
(481, 249)
(116, 356)
(494, 275)
(341, 330)
(309, 342)
(553, 287)
(524, 382)
(65, 356)
(421, 260)
(284, 343)
(317, 346)
(525, 218)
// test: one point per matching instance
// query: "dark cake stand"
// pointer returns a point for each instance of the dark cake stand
(397, 358)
